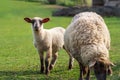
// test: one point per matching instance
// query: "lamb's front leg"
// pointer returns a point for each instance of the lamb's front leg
(47, 61)
(41, 56)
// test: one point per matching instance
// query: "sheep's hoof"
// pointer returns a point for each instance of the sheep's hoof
(70, 67)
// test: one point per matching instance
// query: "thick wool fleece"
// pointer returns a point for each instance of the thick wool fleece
(52, 37)
(87, 38)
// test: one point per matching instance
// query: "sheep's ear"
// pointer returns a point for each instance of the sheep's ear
(45, 20)
(28, 20)
(106, 62)
(110, 63)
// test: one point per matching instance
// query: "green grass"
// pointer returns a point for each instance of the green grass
(18, 57)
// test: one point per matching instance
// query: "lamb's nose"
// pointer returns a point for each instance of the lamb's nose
(36, 28)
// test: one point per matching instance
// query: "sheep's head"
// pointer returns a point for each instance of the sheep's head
(37, 23)
(102, 67)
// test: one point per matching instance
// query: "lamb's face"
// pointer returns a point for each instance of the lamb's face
(37, 23)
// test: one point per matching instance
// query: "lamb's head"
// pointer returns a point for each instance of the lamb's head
(102, 67)
(37, 22)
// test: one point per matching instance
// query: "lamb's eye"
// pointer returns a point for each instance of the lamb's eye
(40, 21)
(33, 21)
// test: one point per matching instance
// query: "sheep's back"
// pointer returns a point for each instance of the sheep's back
(91, 26)
(57, 38)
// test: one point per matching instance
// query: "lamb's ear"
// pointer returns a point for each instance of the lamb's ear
(45, 20)
(91, 64)
(28, 20)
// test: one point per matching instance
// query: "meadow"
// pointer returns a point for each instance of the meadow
(18, 57)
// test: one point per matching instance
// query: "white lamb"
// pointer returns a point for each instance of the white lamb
(87, 39)
(49, 41)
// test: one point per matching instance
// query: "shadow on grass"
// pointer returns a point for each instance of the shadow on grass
(27, 75)
(19, 73)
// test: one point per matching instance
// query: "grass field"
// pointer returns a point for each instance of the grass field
(18, 57)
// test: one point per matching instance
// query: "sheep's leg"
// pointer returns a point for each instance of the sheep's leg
(88, 74)
(47, 61)
(71, 59)
(81, 72)
(41, 55)
(54, 58)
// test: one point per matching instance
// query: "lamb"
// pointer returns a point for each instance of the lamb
(49, 41)
(87, 39)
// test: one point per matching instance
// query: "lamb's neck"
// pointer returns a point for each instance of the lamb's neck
(39, 35)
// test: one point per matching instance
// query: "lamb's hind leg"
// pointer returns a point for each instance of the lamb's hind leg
(54, 58)
(47, 61)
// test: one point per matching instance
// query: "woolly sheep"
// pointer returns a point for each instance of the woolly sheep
(87, 39)
(49, 41)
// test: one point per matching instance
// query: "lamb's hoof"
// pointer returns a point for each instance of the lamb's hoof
(80, 79)
(41, 72)
(51, 67)
(47, 72)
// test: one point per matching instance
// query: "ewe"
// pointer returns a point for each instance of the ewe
(49, 41)
(87, 39)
